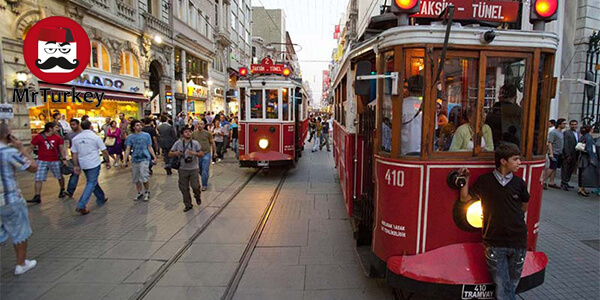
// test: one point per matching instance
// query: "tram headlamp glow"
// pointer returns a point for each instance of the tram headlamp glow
(475, 214)
(263, 143)
(545, 8)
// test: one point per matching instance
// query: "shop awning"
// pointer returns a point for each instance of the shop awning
(108, 94)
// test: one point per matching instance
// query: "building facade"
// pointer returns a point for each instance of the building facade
(131, 59)
(269, 24)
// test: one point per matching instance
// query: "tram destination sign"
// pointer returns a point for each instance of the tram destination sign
(266, 66)
(480, 10)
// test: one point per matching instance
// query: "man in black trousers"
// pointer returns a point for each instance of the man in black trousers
(569, 155)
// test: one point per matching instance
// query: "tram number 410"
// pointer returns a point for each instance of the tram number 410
(478, 291)
(394, 178)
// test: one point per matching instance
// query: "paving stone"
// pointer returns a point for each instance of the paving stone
(185, 293)
(273, 277)
(23, 290)
(198, 274)
(80, 248)
(101, 271)
(167, 250)
(323, 277)
(144, 272)
(123, 292)
(273, 256)
(267, 294)
(213, 253)
(73, 291)
(46, 270)
(133, 250)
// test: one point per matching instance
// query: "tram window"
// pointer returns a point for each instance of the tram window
(285, 99)
(242, 111)
(386, 107)
(544, 76)
(272, 104)
(256, 104)
(504, 88)
(412, 114)
(457, 94)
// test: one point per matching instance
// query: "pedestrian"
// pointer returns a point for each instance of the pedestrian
(234, 137)
(504, 199)
(74, 178)
(166, 138)
(208, 146)
(14, 218)
(85, 148)
(114, 143)
(62, 132)
(318, 132)
(311, 128)
(218, 136)
(105, 126)
(124, 127)
(226, 128)
(588, 162)
(151, 130)
(324, 136)
(139, 144)
(555, 148)
(187, 151)
(569, 162)
(551, 125)
(51, 154)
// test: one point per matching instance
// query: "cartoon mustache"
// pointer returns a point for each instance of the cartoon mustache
(56, 61)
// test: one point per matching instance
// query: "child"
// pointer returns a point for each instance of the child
(504, 199)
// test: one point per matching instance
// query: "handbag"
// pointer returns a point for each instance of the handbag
(110, 141)
(580, 147)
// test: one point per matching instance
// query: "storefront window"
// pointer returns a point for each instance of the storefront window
(286, 104)
(412, 101)
(256, 101)
(457, 100)
(386, 109)
(129, 65)
(272, 102)
(100, 58)
(504, 88)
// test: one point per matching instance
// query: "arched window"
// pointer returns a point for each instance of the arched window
(100, 58)
(129, 65)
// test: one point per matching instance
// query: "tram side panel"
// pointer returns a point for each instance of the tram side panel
(287, 138)
(345, 164)
(242, 130)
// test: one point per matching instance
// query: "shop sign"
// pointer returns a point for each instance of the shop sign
(266, 66)
(6, 111)
(480, 10)
(168, 94)
(197, 91)
(93, 78)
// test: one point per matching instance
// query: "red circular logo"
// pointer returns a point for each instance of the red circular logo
(56, 49)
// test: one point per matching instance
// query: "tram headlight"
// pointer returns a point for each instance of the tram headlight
(263, 144)
(468, 215)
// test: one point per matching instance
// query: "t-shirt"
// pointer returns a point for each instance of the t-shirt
(183, 146)
(234, 131)
(139, 143)
(151, 131)
(47, 151)
(557, 139)
(218, 137)
(325, 127)
(225, 125)
(412, 124)
(124, 125)
(503, 218)
(87, 144)
(203, 137)
(71, 135)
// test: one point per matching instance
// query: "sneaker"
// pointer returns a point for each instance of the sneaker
(204, 188)
(139, 196)
(61, 194)
(198, 201)
(146, 195)
(117, 164)
(83, 211)
(68, 194)
(36, 199)
(188, 208)
(29, 264)
(213, 163)
(219, 160)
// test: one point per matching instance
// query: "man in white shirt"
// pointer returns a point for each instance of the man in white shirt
(85, 147)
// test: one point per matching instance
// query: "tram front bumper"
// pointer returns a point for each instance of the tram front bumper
(457, 271)
(266, 159)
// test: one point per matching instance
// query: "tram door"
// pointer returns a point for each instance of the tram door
(365, 215)
(298, 123)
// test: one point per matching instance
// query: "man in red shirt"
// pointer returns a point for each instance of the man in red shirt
(51, 154)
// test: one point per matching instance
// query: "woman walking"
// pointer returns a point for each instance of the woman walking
(218, 135)
(114, 143)
(588, 162)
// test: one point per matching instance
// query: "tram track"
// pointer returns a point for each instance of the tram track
(245, 258)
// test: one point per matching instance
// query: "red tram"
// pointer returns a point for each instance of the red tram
(273, 116)
(401, 99)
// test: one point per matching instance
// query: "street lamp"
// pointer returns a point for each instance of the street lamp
(21, 80)
(148, 94)
(158, 39)
(209, 82)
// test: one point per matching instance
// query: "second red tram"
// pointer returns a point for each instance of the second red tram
(273, 120)
(409, 111)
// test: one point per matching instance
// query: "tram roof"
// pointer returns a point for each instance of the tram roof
(459, 36)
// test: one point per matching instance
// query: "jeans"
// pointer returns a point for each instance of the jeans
(219, 149)
(73, 181)
(91, 186)
(324, 141)
(234, 144)
(168, 159)
(204, 165)
(187, 179)
(316, 144)
(505, 266)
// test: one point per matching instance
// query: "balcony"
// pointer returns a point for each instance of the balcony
(125, 11)
(222, 37)
(151, 22)
(102, 3)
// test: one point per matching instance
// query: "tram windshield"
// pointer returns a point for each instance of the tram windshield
(272, 102)
(256, 104)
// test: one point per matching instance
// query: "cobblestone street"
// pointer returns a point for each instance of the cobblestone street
(305, 251)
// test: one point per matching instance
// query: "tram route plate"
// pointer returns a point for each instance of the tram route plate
(262, 163)
(478, 291)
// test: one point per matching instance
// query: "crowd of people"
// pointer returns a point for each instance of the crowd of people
(320, 128)
(570, 149)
